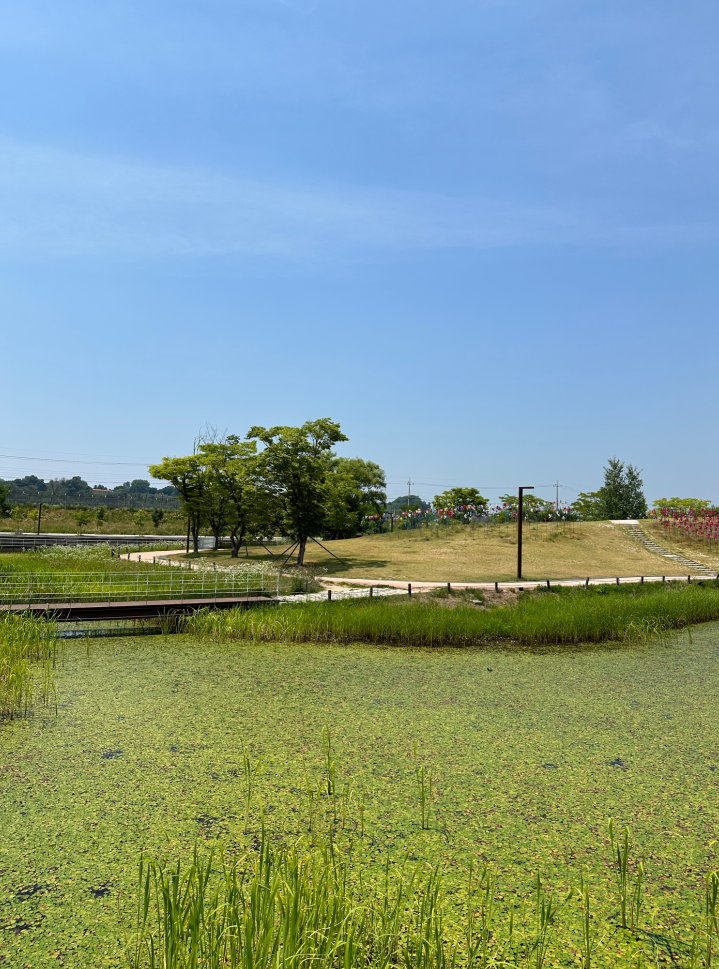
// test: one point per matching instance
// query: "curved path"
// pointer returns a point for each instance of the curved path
(355, 588)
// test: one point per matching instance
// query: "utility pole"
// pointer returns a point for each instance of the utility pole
(557, 505)
(519, 528)
(39, 516)
(409, 492)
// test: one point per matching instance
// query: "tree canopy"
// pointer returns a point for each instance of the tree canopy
(293, 483)
(459, 496)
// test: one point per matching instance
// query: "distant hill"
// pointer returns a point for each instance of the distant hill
(76, 491)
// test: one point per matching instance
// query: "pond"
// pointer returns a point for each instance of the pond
(530, 752)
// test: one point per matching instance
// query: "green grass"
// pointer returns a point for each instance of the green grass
(629, 613)
(68, 558)
(76, 573)
(306, 906)
(530, 753)
(27, 662)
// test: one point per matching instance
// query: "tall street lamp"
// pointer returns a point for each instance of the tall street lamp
(519, 528)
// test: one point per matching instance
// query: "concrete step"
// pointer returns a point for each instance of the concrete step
(637, 533)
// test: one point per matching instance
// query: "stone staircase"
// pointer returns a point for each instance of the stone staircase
(636, 531)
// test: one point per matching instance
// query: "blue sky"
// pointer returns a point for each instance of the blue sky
(481, 235)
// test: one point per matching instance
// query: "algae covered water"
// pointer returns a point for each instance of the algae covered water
(530, 754)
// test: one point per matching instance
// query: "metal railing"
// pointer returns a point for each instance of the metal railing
(25, 542)
(46, 588)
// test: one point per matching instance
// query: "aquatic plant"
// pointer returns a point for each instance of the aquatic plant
(287, 907)
(27, 658)
(305, 905)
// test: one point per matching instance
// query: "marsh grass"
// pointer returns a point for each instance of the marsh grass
(290, 907)
(309, 905)
(28, 650)
(631, 614)
(424, 779)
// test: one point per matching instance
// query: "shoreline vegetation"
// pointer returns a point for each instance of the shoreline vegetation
(562, 617)
(28, 648)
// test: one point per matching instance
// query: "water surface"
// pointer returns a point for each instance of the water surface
(531, 753)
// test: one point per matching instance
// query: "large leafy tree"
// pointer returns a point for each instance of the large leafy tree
(189, 476)
(234, 472)
(588, 506)
(459, 496)
(355, 488)
(295, 467)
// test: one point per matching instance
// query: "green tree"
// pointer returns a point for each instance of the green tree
(459, 496)
(682, 504)
(4, 506)
(158, 516)
(294, 466)
(189, 476)
(82, 518)
(621, 496)
(355, 488)
(233, 470)
(588, 506)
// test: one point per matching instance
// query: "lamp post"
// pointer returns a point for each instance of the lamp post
(519, 528)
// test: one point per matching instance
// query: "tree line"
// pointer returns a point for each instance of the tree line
(276, 480)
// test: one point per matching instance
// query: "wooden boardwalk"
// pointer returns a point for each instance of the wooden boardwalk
(139, 609)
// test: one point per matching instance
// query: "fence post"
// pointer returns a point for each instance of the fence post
(409, 588)
(586, 582)
(278, 582)
(449, 587)
(548, 585)
(329, 595)
(496, 586)
(617, 580)
(370, 591)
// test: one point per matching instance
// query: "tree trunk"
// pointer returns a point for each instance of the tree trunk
(195, 534)
(236, 542)
(301, 551)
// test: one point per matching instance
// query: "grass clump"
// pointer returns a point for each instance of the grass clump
(27, 656)
(570, 617)
(308, 905)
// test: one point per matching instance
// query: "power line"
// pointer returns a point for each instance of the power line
(106, 464)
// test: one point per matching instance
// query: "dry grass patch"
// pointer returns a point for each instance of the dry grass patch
(701, 552)
(486, 554)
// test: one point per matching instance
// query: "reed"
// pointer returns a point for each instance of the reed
(28, 649)
(251, 773)
(623, 613)
(424, 781)
(288, 907)
(630, 889)
(306, 906)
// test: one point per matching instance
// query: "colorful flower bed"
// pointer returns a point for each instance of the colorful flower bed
(697, 525)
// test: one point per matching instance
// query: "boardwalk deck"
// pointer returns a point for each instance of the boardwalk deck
(140, 609)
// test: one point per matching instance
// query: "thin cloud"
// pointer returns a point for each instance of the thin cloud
(62, 204)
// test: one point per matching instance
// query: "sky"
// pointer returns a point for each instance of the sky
(482, 235)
